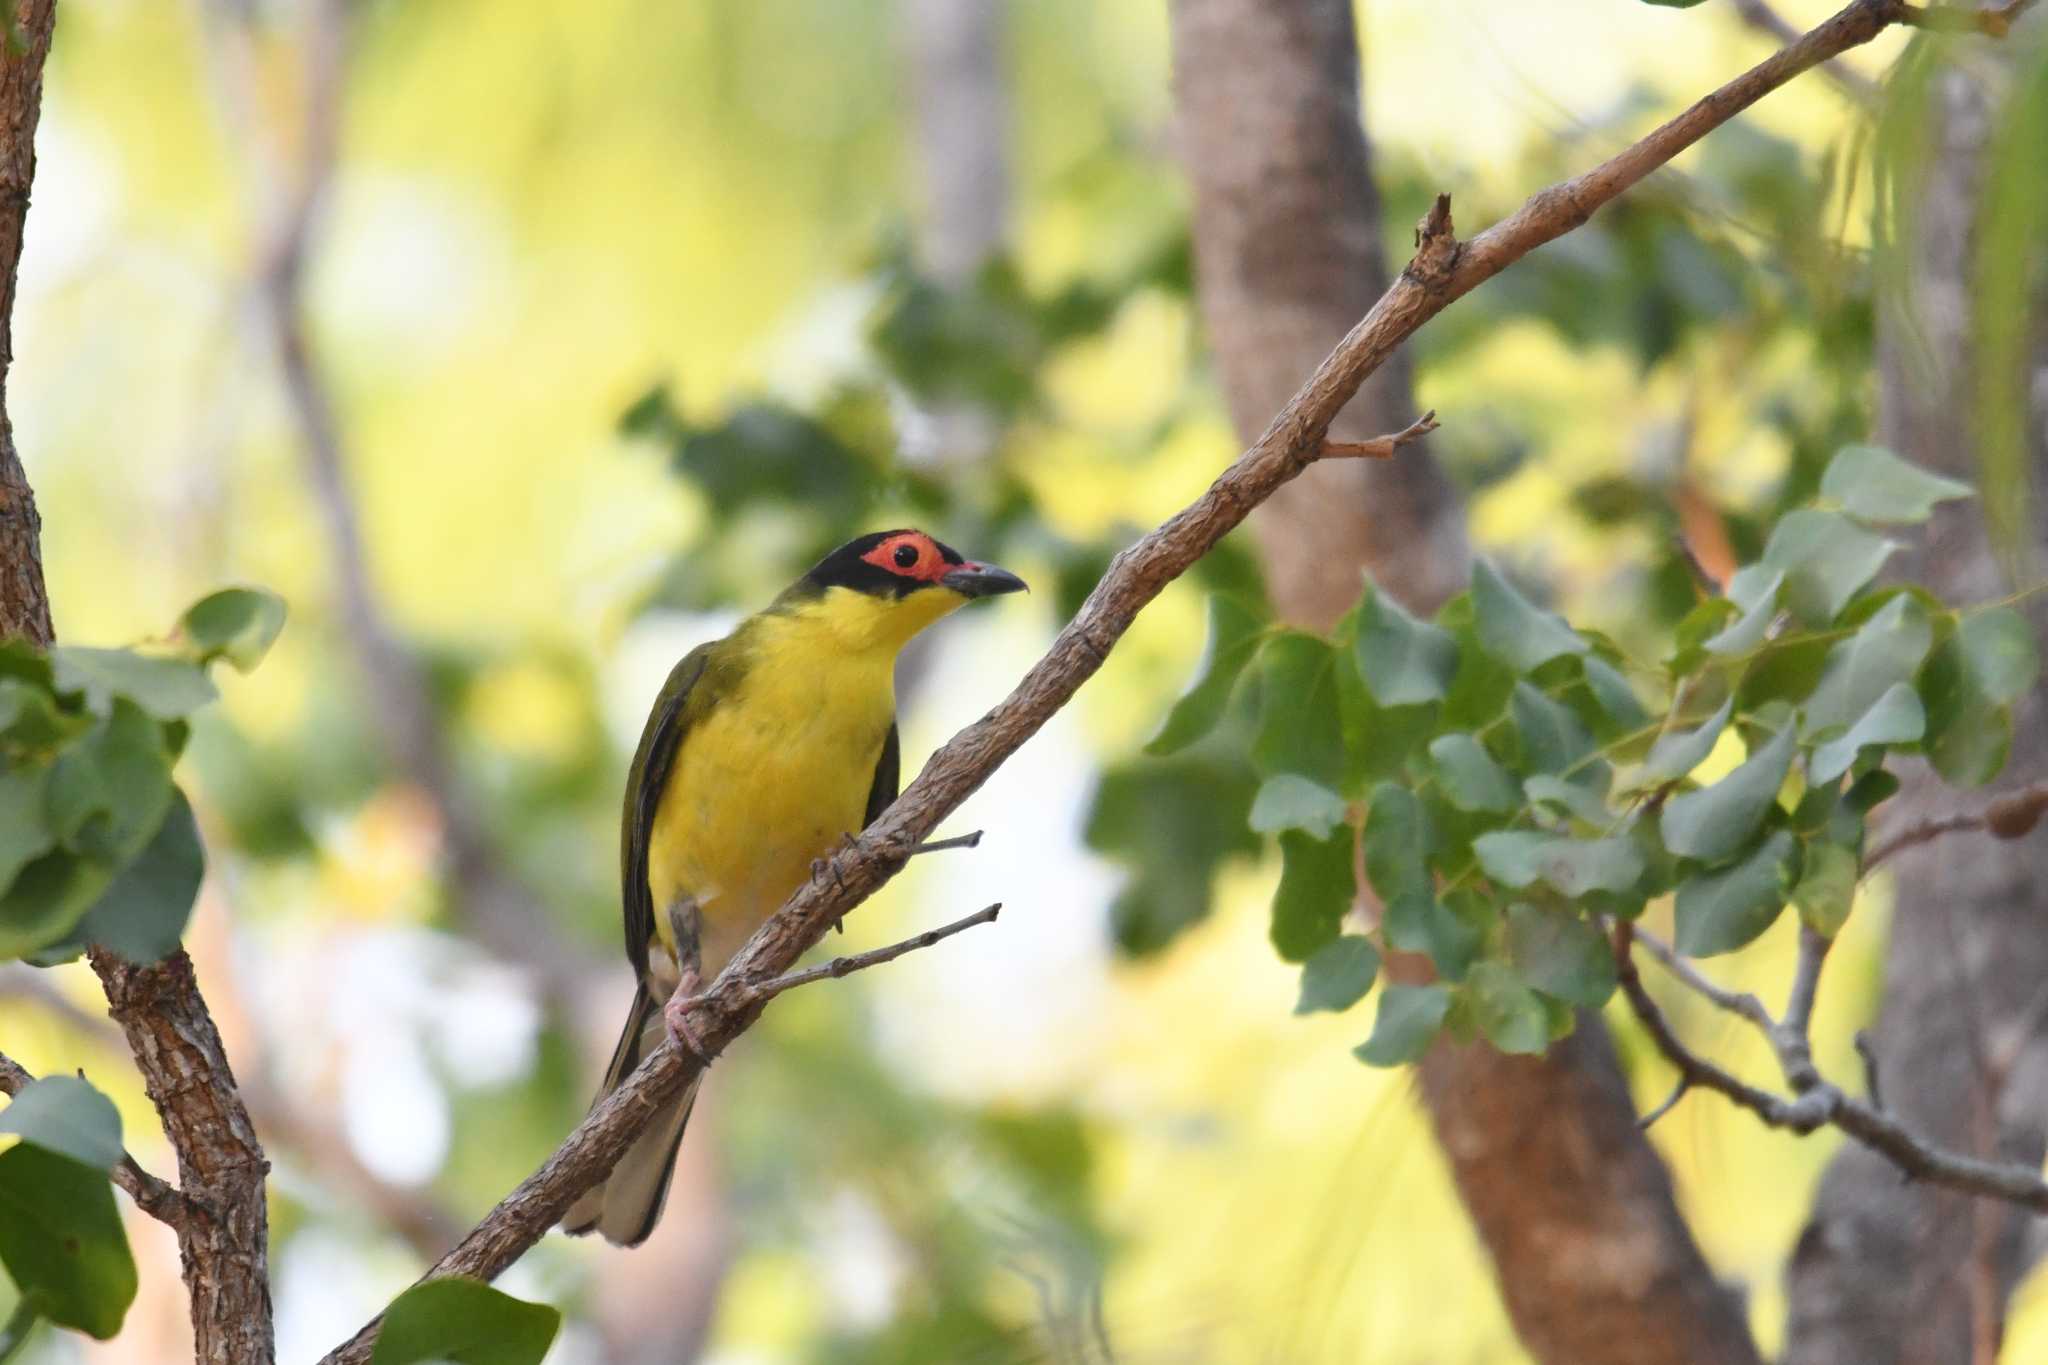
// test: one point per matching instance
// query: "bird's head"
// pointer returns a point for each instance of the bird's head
(890, 585)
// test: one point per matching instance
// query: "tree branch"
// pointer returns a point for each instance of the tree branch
(154, 1196)
(1442, 271)
(1381, 447)
(221, 1167)
(288, 198)
(2009, 817)
(1819, 1103)
(858, 962)
(1759, 15)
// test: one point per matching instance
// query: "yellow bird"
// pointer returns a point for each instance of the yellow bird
(764, 750)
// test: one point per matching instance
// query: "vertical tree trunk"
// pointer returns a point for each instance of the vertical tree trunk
(1595, 1263)
(1885, 1272)
(24, 605)
(961, 120)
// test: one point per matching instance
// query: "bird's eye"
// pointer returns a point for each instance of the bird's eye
(906, 556)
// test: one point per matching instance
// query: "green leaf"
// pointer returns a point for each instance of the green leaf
(1234, 634)
(1406, 1025)
(1712, 823)
(1316, 888)
(109, 791)
(1576, 867)
(1514, 629)
(47, 898)
(24, 832)
(1508, 1012)
(1481, 686)
(1402, 660)
(236, 624)
(1470, 779)
(464, 1321)
(1718, 912)
(1299, 729)
(29, 716)
(1678, 752)
(1580, 802)
(1827, 559)
(1885, 650)
(1759, 587)
(1377, 739)
(2000, 655)
(1553, 737)
(1895, 718)
(167, 688)
(1876, 486)
(1619, 704)
(141, 916)
(1967, 686)
(1397, 843)
(1291, 801)
(65, 1115)
(62, 1242)
(1337, 975)
(1417, 922)
(1827, 887)
(1561, 955)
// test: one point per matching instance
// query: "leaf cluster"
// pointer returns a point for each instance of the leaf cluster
(97, 844)
(1505, 782)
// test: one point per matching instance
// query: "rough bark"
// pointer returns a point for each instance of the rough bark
(1888, 1273)
(224, 1238)
(24, 604)
(1594, 1261)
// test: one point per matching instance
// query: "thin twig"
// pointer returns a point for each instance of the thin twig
(1735, 1002)
(1823, 1103)
(1442, 270)
(1790, 1038)
(2011, 816)
(972, 840)
(153, 1195)
(1867, 1050)
(1381, 447)
(857, 962)
(1670, 1103)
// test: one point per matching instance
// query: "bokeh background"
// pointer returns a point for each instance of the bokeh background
(619, 310)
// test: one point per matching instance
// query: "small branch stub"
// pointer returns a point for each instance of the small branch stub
(1380, 447)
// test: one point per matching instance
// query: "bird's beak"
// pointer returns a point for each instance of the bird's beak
(982, 580)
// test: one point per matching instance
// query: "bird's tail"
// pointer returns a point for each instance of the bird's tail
(627, 1205)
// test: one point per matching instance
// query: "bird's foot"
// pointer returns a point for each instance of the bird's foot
(675, 1015)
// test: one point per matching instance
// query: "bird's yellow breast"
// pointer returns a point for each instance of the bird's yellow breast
(771, 776)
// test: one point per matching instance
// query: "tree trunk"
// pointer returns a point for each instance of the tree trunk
(1595, 1263)
(24, 604)
(1885, 1272)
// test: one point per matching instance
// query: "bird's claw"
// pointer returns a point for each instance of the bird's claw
(675, 1016)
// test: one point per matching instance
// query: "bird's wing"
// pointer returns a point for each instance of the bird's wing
(888, 778)
(669, 721)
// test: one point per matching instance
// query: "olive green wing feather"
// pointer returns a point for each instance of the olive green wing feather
(653, 761)
(888, 778)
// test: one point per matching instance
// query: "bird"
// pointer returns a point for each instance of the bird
(763, 752)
